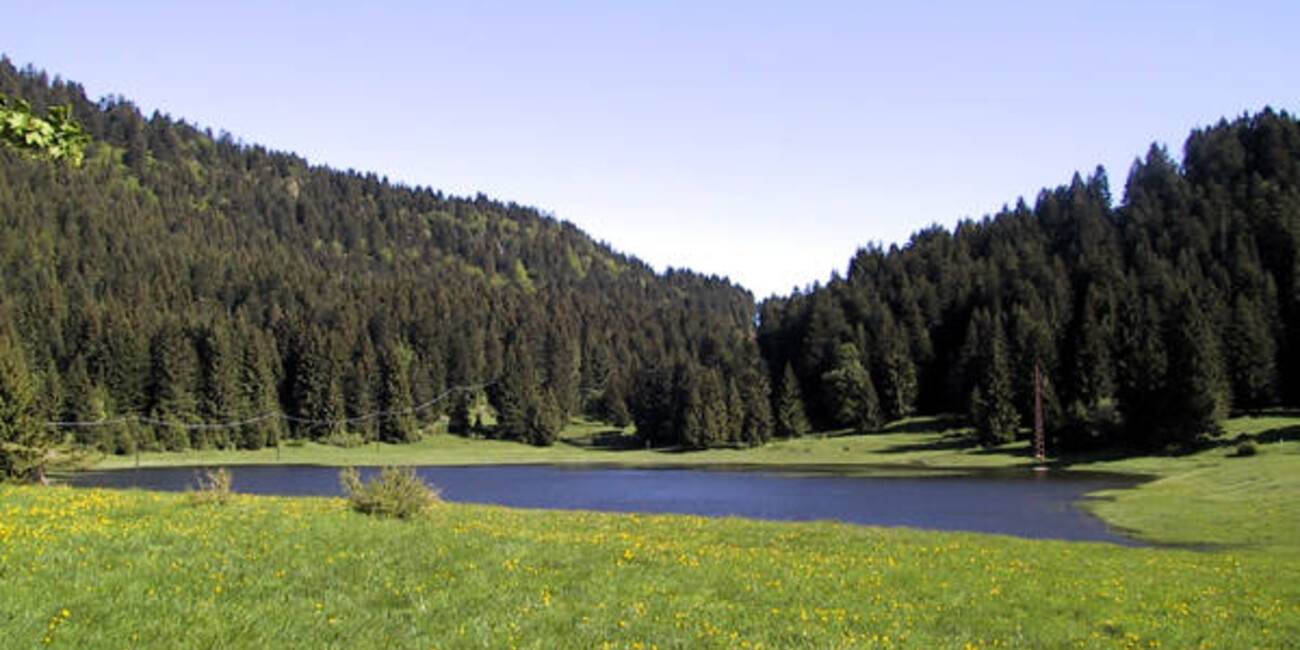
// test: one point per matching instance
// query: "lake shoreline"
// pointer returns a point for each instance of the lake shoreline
(1009, 501)
(1164, 507)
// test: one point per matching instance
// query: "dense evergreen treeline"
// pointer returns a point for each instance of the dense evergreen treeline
(189, 278)
(1150, 320)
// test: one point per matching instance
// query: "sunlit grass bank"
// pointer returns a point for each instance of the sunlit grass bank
(918, 442)
(87, 568)
(1200, 499)
(1215, 497)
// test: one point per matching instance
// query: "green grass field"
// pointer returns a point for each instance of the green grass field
(916, 443)
(1214, 498)
(85, 568)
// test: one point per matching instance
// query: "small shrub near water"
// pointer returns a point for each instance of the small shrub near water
(398, 492)
(345, 440)
(212, 486)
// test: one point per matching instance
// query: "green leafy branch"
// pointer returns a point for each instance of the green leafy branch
(56, 136)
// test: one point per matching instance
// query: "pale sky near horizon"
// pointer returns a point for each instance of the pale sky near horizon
(763, 141)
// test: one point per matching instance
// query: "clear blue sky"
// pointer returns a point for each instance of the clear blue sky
(764, 141)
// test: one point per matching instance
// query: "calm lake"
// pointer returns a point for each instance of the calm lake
(1012, 502)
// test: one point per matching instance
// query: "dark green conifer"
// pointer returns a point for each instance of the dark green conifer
(655, 405)
(611, 405)
(24, 440)
(1197, 397)
(734, 424)
(83, 403)
(173, 365)
(218, 398)
(544, 420)
(790, 419)
(897, 372)
(459, 421)
(1143, 363)
(363, 385)
(691, 411)
(756, 428)
(851, 392)
(397, 422)
(993, 410)
(1252, 355)
(525, 410)
(257, 382)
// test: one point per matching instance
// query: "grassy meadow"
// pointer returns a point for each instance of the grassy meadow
(914, 443)
(1214, 498)
(91, 568)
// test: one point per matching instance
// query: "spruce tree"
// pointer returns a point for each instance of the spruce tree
(173, 365)
(51, 393)
(459, 421)
(1143, 364)
(715, 421)
(993, 410)
(735, 420)
(851, 392)
(525, 410)
(790, 419)
(691, 411)
(218, 398)
(257, 382)
(1197, 395)
(611, 406)
(562, 372)
(397, 424)
(1090, 371)
(315, 384)
(1252, 355)
(363, 385)
(544, 419)
(25, 441)
(121, 364)
(84, 403)
(757, 397)
(897, 372)
(655, 406)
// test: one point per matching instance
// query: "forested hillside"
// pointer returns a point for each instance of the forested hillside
(178, 279)
(185, 277)
(1150, 320)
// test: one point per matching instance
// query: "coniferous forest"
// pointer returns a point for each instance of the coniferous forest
(1151, 320)
(179, 276)
(182, 277)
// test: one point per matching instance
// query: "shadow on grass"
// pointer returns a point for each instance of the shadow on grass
(612, 440)
(925, 425)
(616, 440)
(946, 442)
(679, 449)
(1067, 458)
(1280, 434)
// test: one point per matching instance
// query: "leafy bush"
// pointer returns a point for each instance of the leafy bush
(340, 438)
(398, 492)
(56, 136)
(1246, 449)
(212, 486)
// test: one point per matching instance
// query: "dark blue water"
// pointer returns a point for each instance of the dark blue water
(1010, 502)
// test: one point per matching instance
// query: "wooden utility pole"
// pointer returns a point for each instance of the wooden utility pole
(1040, 442)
